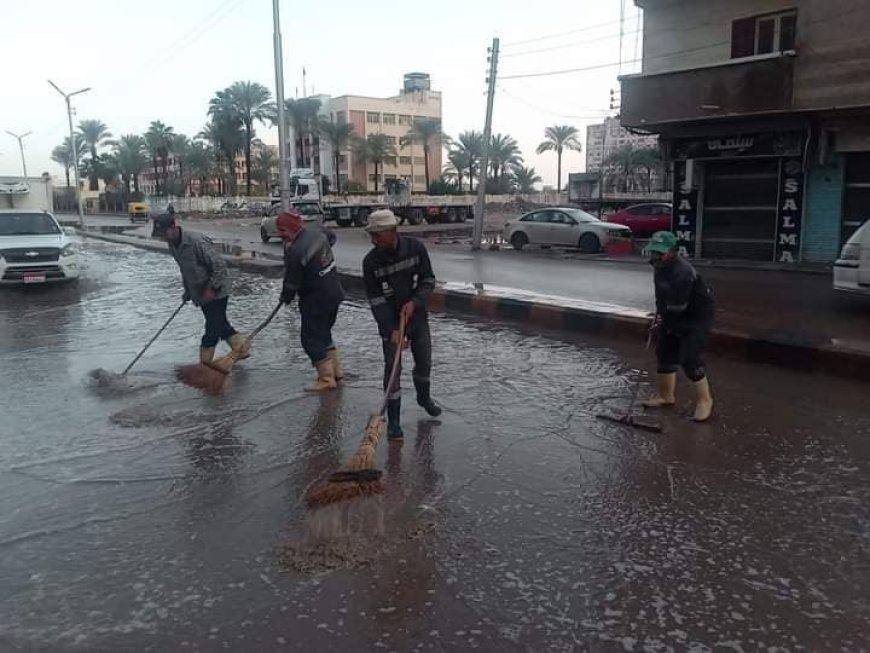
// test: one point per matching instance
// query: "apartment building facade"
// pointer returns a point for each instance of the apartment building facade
(392, 116)
(606, 138)
(763, 112)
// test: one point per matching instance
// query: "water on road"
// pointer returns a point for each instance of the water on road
(153, 517)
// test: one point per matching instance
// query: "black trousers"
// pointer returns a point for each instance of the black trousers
(316, 332)
(421, 350)
(217, 326)
(683, 346)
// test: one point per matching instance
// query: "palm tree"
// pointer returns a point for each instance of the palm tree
(248, 102)
(525, 179)
(200, 165)
(180, 148)
(470, 143)
(338, 135)
(374, 149)
(226, 134)
(621, 168)
(94, 133)
(459, 162)
(130, 158)
(158, 140)
(426, 131)
(63, 154)
(504, 152)
(264, 162)
(303, 115)
(650, 159)
(558, 138)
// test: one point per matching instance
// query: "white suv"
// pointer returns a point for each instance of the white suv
(852, 269)
(35, 249)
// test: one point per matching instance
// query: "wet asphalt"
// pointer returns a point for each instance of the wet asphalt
(155, 518)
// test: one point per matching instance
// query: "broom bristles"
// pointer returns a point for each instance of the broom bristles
(202, 377)
(329, 492)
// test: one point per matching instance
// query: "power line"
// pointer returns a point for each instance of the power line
(572, 44)
(553, 113)
(666, 55)
(588, 28)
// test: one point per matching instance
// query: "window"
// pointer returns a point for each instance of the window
(341, 117)
(389, 118)
(390, 160)
(404, 120)
(405, 160)
(391, 140)
(419, 160)
(373, 117)
(342, 160)
(373, 178)
(419, 179)
(763, 34)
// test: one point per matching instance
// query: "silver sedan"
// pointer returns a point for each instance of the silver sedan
(564, 226)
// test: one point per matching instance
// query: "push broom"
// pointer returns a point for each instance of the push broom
(359, 478)
(211, 376)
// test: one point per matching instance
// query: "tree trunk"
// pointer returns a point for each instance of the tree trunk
(66, 172)
(376, 177)
(559, 170)
(336, 154)
(156, 176)
(136, 184)
(93, 180)
(248, 129)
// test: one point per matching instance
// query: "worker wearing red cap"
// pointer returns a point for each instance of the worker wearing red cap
(310, 273)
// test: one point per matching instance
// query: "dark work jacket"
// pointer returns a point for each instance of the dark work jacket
(395, 277)
(310, 271)
(201, 267)
(683, 298)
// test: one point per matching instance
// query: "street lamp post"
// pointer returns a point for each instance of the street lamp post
(20, 139)
(72, 142)
(279, 97)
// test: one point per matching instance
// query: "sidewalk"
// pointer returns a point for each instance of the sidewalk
(784, 318)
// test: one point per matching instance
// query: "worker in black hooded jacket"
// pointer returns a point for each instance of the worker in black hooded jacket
(310, 273)
(399, 279)
(684, 312)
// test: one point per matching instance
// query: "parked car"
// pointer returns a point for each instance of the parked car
(35, 249)
(311, 212)
(852, 269)
(644, 219)
(563, 226)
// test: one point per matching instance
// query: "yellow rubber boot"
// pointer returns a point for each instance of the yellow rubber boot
(335, 357)
(206, 355)
(704, 405)
(666, 384)
(325, 377)
(241, 344)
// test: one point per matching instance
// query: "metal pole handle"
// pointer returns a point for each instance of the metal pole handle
(397, 360)
(156, 335)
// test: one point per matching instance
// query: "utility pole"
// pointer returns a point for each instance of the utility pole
(20, 139)
(279, 97)
(484, 162)
(72, 143)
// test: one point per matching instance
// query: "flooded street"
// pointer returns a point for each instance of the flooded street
(159, 519)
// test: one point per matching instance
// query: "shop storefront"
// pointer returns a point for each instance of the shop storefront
(740, 196)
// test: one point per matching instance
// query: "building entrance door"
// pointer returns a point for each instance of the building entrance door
(740, 209)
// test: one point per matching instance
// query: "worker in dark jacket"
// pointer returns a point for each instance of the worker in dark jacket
(310, 273)
(206, 284)
(399, 279)
(684, 314)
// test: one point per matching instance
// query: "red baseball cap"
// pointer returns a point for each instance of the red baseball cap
(290, 220)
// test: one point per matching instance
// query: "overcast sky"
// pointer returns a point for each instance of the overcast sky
(164, 59)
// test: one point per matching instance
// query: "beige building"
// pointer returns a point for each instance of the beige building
(608, 137)
(392, 116)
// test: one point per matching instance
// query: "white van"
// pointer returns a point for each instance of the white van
(852, 269)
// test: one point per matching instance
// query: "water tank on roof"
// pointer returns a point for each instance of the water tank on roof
(417, 82)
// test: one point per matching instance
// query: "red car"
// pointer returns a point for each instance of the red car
(644, 219)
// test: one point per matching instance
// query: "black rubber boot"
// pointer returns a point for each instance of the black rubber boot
(394, 417)
(424, 398)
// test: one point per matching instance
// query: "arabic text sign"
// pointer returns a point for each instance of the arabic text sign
(740, 145)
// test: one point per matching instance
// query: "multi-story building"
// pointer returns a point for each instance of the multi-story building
(763, 110)
(392, 116)
(605, 139)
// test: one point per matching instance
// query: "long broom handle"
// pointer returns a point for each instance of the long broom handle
(397, 360)
(151, 342)
(265, 322)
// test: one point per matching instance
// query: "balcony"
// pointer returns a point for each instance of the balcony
(736, 88)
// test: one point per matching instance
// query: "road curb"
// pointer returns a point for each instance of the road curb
(795, 351)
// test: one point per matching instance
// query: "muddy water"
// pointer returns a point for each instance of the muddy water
(157, 518)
